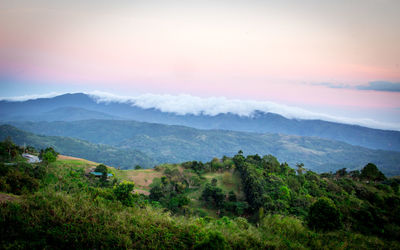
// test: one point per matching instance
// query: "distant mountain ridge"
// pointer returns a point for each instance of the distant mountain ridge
(174, 144)
(82, 106)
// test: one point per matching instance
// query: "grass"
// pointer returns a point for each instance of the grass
(142, 177)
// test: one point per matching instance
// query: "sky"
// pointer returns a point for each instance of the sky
(338, 58)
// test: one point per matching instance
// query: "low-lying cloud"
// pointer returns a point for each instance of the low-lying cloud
(187, 104)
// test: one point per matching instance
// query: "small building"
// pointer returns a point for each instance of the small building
(31, 158)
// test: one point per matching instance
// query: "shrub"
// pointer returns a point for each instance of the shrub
(123, 192)
(214, 240)
(324, 215)
(48, 155)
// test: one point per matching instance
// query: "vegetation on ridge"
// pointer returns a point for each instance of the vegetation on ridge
(123, 158)
(202, 205)
(175, 144)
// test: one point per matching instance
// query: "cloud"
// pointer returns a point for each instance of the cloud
(187, 104)
(375, 85)
(332, 85)
(184, 104)
(381, 86)
(29, 97)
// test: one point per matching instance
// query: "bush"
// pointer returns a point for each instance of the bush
(101, 168)
(48, 155)
(214, 240)
(324, 215)
(371, 173)
(123, 192)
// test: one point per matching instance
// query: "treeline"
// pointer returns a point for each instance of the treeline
(364, 201)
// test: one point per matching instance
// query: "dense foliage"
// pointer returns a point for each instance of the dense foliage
(198, 205)
(17, 176)
(324, 215)
(326, 200)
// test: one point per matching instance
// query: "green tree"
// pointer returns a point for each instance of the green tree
(8, 150)
(123, 192)
(138, 167)
(270, 163)
(213, 240)
(214, 194)
(371, 173)
(48, 155)
(232, 196)
(324, 215)
(101, 168)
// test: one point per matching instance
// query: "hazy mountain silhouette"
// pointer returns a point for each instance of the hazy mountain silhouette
(81, 106)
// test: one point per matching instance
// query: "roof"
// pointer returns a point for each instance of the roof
(31, 158)
(100, 174)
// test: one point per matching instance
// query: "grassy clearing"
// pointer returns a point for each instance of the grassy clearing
(227, 181)
(64, 158)
(142, 178)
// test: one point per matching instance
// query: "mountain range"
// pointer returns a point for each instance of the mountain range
(79, 106)
(175, 144)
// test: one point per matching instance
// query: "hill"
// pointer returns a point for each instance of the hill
(173, 144)
(81, 106)
(124, 158)
(242, 202)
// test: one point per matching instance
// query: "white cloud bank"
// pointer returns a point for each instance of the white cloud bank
(186, 104)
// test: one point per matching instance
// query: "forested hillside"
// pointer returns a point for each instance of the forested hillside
(123, 158)
(242, 202)
(174, 144)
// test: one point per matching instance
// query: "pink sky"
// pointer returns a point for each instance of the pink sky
(281, 51)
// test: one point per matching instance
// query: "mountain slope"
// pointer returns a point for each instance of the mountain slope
(173, 144)
(124, 158)
(73, 114)
(260, 122)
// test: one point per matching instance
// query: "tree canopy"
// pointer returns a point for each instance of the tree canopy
(324, 215)
(371, 172)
